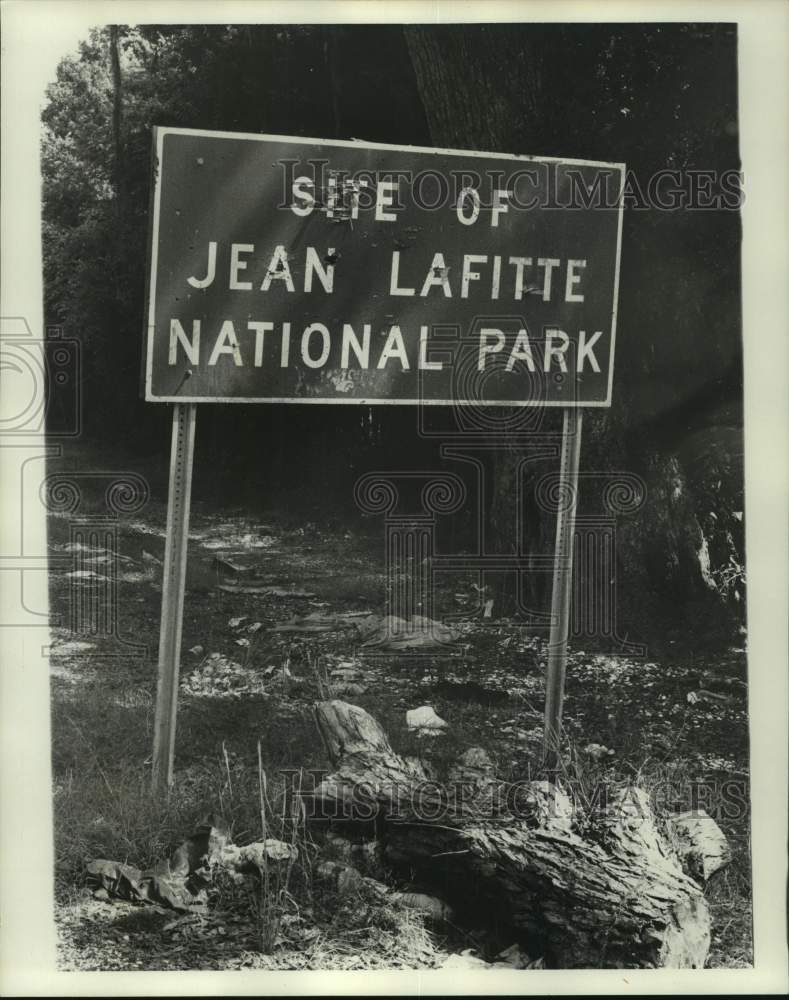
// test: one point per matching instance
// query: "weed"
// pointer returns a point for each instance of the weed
(287, 825)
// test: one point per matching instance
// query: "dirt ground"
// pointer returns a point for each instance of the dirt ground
(628, 718)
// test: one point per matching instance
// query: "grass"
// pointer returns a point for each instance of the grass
(287, 824)
(102, 776)
(106, 810)
(231, 752)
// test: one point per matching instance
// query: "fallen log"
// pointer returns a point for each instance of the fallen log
(700, 844)
(597, 891)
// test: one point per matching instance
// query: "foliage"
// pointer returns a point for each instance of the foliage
(654, 96)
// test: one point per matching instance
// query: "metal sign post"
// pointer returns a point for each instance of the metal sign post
(562, 585)
(266, 285)
(173, 586)
(268, 273)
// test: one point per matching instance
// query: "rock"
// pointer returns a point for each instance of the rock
(425, 720)
(700, 843)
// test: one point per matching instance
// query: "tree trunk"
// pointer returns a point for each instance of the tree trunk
(481, 89)
(487, 87)
(467, 75)
(117, 109)
(596, 891)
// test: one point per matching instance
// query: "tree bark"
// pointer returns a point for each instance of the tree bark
(487, 87)
(117, 109)
(467, 75)
(602, 891)
(482, 89)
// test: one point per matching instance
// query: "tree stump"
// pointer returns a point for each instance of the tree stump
(598, 891)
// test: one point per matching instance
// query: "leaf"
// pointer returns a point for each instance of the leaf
(313, 622)
(235, 588)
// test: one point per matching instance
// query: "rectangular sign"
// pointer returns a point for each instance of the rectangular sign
(309, 271)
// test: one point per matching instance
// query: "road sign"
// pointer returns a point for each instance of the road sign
(295, 270)
(309, 271)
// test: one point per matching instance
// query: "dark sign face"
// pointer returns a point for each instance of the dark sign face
(298, 270)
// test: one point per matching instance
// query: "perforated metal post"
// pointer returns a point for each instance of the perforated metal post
(562, 585)
(173, 585)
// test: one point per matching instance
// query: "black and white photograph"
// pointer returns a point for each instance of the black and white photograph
(394, 496)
